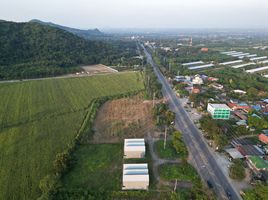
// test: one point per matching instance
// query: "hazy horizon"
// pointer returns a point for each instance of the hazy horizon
(141, 14)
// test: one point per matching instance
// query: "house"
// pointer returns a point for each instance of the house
(204, 50)
(242, 123)
(213, 79)
(234, 153)
(242, 115)
(216, 86)
(239, 91)
(196, 90)
(134, 148)
(263, 137)
(135, 177)
(249, 150)
(256, 163)
(219, 111)
(237, 106)
(197, 80)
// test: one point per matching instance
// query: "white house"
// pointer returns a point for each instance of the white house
(135, 177)
(134, 148)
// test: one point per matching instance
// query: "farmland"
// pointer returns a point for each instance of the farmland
(38, 119)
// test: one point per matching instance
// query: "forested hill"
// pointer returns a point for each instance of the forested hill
(30, 50)
(87, 34)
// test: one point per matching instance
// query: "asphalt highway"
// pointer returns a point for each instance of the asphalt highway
(200, 154)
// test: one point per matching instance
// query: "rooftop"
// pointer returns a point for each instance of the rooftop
(135, 172)
(134, 144)
(219, 106)
(258, 162)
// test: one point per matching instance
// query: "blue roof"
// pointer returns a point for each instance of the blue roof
(265, 100)
(256, 107)
(254, 115)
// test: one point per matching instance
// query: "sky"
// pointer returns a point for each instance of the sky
(140, 13)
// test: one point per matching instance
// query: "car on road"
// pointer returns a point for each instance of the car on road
(209, 184)
(228, 193)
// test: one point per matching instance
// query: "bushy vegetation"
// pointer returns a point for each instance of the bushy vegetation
(39, 120)
(235, 79)
(182, 172)
(152, 86)
(30, 50)
(162, 115)
(259, 192)
(179, 145)
(237, 170)
(169, 152)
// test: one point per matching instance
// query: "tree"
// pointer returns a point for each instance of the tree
(237, 170)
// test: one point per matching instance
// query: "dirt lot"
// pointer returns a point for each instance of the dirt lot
(98, 69)
(123, 118)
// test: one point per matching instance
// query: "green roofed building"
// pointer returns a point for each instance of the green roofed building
(219, 111)
(257, 163)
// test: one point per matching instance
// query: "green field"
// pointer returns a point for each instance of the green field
(38, 119)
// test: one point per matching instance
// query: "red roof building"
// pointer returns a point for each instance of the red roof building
(237, 106)
(263, 138)
(204, 50)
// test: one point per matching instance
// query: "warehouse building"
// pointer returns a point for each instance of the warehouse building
(134, 148)
(135, 177)
(219, 111)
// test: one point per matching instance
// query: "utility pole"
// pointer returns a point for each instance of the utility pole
(175, 187)
(153, 99)
(165, 141)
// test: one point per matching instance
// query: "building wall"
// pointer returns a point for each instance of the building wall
(134, 154)
(139, 185)
(218, 113)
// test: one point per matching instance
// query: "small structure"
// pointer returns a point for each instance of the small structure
(196, 90)
(239, 91)
(213, 79)
(197, 80)
(204, 50)
(216, 86)
(256, 163)
(134, 148)
(263, 138)
(250, 150)
(135, 177)
(239, 106)
(219, 111)
(234, 153)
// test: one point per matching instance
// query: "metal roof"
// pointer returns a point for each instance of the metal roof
(258, 58)
(231, 62)
(192, 63)
(135, 172)
(201, 66)
(137, 144)
(243, 65)
(219, 106)
(234, 153)
(257, 69)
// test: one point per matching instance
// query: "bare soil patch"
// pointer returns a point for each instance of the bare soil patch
(123, 118)
(98, 69)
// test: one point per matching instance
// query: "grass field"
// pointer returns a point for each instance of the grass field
(98, 167)
(169, 152)
(182, 172)
(38, 119)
